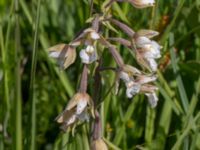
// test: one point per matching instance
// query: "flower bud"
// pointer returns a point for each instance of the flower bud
(99, 144)
(142, 3)
(147, 33)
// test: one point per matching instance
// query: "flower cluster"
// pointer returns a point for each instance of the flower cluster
(136, 83)
(147, 49)
(88, 42)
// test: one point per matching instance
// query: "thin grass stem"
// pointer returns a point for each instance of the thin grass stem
(32, 89)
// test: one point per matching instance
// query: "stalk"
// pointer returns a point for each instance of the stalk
(5, 87)
(32, 89)
(17, 92)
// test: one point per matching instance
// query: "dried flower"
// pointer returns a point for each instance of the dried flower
(99, 144)
(76, 110)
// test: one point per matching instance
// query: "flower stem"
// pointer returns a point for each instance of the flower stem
(84, 78)
(97, 127)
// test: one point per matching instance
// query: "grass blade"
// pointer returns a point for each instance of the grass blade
(182, 92)
(18, 100)
(32, 90)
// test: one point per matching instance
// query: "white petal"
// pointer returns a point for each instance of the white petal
(132, 90)
(143, 3)
(148, 2)
(152, 64)
(152, 50)
(94, 35)
(93, 56)
(88, 55)
(155, 49)
(84, 56)
(141, 41)
(81, 106)
(54, 54)
(152, 54)
(90, 49)
(152, 98)
(156, 45)
(124, 76)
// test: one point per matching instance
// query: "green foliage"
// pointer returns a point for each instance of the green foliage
(33, 91)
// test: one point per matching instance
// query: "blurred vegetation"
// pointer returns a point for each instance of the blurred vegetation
(33, 91)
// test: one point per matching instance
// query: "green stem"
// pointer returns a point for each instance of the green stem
(5, 88)
(32, 89)
(18, 100)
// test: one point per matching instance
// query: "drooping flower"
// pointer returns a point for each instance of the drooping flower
(136, 82)
(64, 54)
(76, 110)
(127, 75)
(147, 50)
(89, 37)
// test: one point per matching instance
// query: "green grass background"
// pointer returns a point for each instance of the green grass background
(33, 91)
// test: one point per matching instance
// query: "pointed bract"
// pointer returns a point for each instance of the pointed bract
(147, 33)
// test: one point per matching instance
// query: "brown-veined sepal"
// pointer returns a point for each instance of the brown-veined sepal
(64, 54)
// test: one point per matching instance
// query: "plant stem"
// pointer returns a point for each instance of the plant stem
(17, 101)
(32, 89)
(84, 78)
